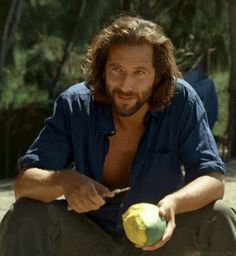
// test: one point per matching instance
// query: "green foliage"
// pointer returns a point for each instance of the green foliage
(195, 27)
(200, 28)
(43, 59)
(46, 28)
(221, 80)
(15, 93)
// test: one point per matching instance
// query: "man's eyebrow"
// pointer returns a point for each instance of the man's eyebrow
(141, 67)
(114, 64)
(117, 64)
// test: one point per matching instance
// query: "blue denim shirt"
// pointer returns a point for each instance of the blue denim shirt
(78, 132)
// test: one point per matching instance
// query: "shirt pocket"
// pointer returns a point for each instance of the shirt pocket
(157, 162)
(162, 173)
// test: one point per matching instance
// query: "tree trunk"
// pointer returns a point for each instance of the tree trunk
(144, 8)
(6, 32)
(9, 30)
(7, 146)
(17, 17)
(126, 6)
(157, 9)
(180, 6)
(232, 81)
(67, 52)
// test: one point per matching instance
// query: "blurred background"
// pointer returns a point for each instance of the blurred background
(43, 44)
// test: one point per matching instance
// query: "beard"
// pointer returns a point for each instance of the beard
(130, 103)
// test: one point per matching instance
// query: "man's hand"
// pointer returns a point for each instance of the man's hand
(167, 210)
(195, 195)
(82, 193)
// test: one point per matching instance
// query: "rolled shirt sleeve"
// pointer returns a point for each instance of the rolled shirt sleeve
(52, 148)
(197, 145)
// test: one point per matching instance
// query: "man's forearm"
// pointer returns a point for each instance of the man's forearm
(39, 184)
(198, 193)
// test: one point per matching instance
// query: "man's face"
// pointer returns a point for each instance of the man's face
(130, 77)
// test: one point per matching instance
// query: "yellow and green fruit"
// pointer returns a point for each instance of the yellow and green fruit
(143, 225)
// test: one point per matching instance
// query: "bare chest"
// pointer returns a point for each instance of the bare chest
(122, 149)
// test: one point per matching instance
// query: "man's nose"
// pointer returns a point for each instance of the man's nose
(127, 83)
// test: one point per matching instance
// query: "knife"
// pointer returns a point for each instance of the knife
(120, 190)
(115, 191)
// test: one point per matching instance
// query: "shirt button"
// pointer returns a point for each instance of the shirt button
(121, 205)
(113, 132)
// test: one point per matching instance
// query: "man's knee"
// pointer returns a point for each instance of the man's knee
(26, 229)
(224, 210)
(25, 212)
(225, 216)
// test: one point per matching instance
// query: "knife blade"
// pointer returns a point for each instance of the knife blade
(120, 190)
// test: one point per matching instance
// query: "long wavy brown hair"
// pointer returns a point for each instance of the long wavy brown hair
(133, 30)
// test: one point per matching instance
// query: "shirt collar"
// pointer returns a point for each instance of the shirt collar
(106, 123)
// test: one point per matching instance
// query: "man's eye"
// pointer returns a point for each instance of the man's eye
(140, 72)
(116, 69)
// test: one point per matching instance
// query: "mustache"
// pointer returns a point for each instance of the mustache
(125, 94)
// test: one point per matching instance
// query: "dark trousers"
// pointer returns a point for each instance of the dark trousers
(32, 228)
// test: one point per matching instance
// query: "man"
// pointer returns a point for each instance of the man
(134, 123)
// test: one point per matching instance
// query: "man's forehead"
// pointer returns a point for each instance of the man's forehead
(130, 43)
(130, 52)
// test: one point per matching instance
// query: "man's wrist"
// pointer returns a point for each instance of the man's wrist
(60, 179)
(173, 201)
